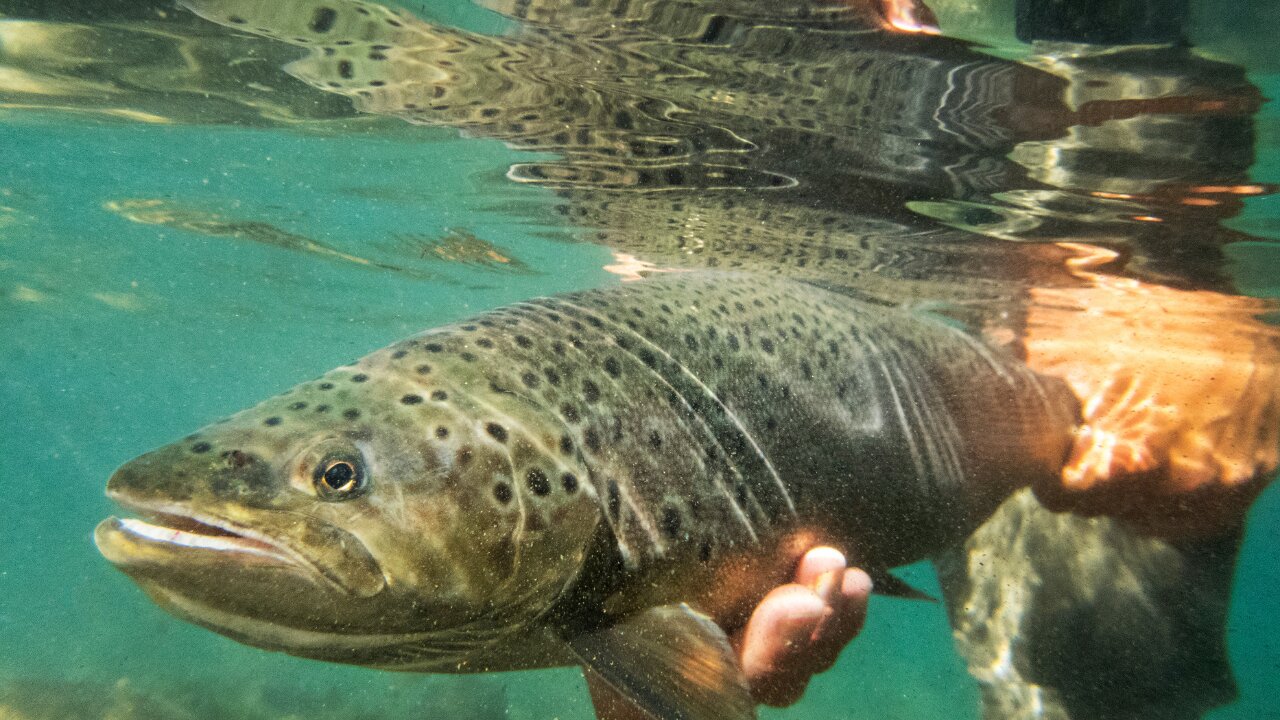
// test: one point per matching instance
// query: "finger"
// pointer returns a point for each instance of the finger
(848, 599)
(818, 561)
(777, 641)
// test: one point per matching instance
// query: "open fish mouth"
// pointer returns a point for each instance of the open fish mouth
(188, 531)
(172, 534)
(168, 542)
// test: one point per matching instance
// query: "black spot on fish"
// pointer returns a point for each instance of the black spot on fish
(655, 440)
(691, 342)
(553, 377)
(322, 408)
(345, 69)
(326, 386)
(557, 347)
(433, 347)
(612, 367)
(359, 378)
(439, 395)
(273, 420)
(411, 399)
(351, 414)
(530, 380)
(423, 369)
(704, 551)
(502, 493)
(298, 406)
(523, 341)
(495, 430)
(648, 359)
(590, 391)
(566, 444)
(592, 440)
(469, 357)
(537, 481)
(484, 343)
(569, 482)
(201, 447)
(399, 354)
(442, 432)
(464, 456)
(767, 345)
(570, 413)
(670, 523)
(733, 341)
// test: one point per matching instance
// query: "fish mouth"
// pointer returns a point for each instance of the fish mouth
(169, 539)
(177, 529)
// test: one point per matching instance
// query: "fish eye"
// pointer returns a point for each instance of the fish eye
(339, 478)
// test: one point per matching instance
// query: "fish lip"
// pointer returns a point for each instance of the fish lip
(230, 537)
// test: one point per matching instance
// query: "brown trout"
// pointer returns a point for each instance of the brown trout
(610, 479)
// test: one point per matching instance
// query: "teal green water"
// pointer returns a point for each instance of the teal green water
(121, 335)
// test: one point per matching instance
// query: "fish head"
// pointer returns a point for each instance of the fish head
(374, 506)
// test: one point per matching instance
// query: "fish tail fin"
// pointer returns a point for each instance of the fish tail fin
(1065, 617)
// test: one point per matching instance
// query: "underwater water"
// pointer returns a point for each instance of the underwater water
(187, 228)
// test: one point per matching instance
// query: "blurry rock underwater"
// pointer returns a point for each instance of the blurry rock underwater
(882, 291)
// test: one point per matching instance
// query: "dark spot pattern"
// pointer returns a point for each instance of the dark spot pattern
(537, 482)
(411, 399)
(496, 431)
(612, 367)
(502, 493)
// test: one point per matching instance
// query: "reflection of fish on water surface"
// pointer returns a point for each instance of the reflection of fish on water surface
(538, 486)
(462, 246)
(456, 246)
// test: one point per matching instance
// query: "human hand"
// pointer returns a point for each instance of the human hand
(799, 629)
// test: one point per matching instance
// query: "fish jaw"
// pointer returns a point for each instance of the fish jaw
(205, 559)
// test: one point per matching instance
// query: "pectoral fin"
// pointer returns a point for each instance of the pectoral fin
(666, 663)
